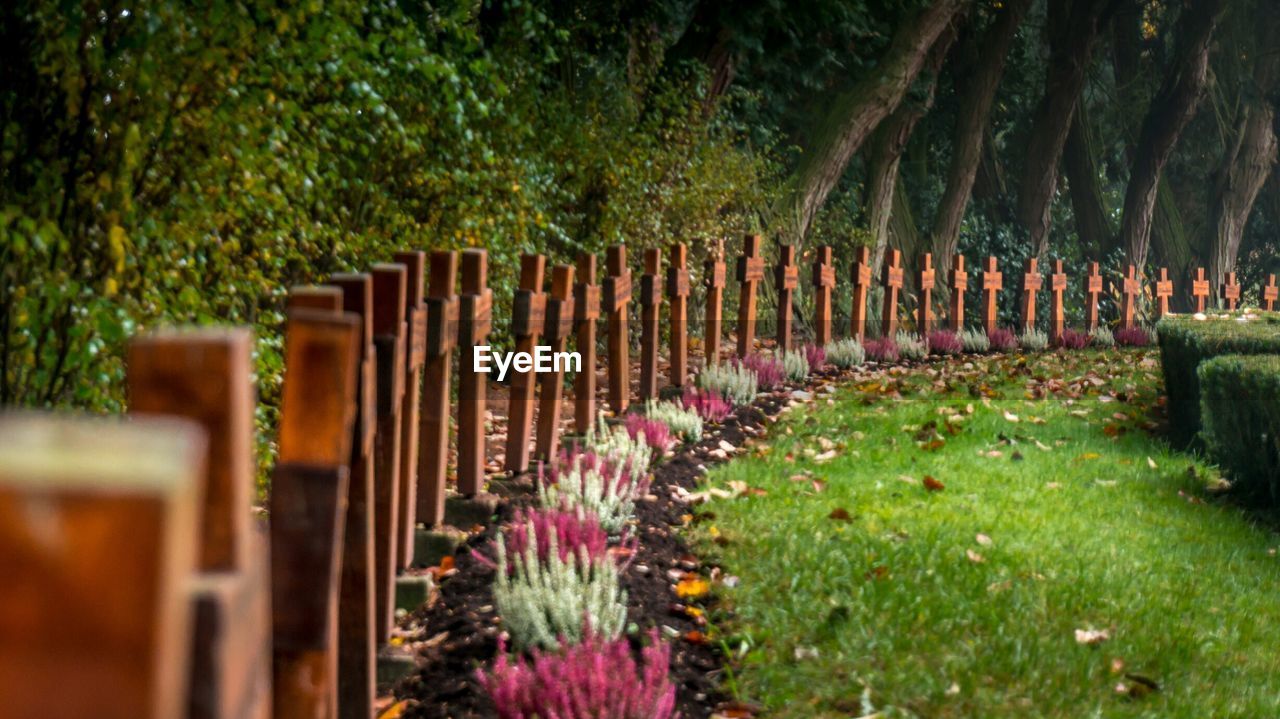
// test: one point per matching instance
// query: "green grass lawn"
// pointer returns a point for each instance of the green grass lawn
(862, 590)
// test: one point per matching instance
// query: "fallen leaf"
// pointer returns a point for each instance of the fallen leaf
(1151, 463)
(983, 539)
(840, 514)
(1092, 637)
(974, 556)
(395, 710)
(1089, 455)
(1010, 416)
(932, 484)
(692, 587)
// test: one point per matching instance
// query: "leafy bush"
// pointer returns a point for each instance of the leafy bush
(1185, 342)
(682, 421)
(975, 341)
(1240, 402)
(1132, 337)
(881, 349)
(796, 366)
(911, 346)
(945, 342)
(1033, 340)
(768, 370)
(732, 381)
(707, 403)
(815, 355)
(596, 679)
(1002, 340)
(1101, 336)
(653, 432)
(846, 353)
(1073, 339)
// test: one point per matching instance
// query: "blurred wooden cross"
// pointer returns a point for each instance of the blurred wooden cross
(650, 307)
(1130, 288)
(786, 279)
(1057, 286)
(992, 283)
(1231, 291)
(617, 294)
(959, 283)
(924, 311)
(678, 299)
(861, 284)
(750, 272)
(528, 320)
(824, 281)
(1270, 293)
(1200, 289)
(1164, 290)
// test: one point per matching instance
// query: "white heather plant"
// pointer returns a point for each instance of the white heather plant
(1101, 337)
(1033, 340)
(846, 353)
(734, 382)
(541, 602)
(975, 341)
(796, 365)
(911, 346)
(685, 423)
(615, 445)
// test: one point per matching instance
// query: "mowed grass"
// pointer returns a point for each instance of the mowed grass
(1087, 522)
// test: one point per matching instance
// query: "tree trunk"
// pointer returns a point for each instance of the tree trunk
(1088, 204)
(977, 92)
(1073, 28)
(856, 113)
(1170, 111)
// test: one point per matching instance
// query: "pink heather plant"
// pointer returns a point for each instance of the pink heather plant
(881, 349)
(769, 370)
(593, 680)
(708, 403)
(945, 342)
(1002, 340)
(575, 532)
(656, 434)
(1073, 339)
(1132, 337)
(816, 355)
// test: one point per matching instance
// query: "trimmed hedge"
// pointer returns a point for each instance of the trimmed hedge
(1185, 342)
(1240, 402)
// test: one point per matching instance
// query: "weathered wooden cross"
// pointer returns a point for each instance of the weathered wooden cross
(824, 282)
(1057, 317)
(441, 337)
(650, 308)
(388, 343)
(1130, 289)
(892, 284)
(861, 286)
(325, 298)
(1032, 282)
(415, 314)
(959, 283)
(1092, 291)
(1164, 290)
(750, 273)
(678, 300)
(786, 278)
(529, 316)
(1270, 293)
(1200, 289)
(992, 283)
(713, 276)
(559, 327)
(586, 310)
(1231, 291)
(475, 319)
(617, 294)
(926, 282)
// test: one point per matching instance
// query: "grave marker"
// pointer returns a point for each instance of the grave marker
(1130, 288)
(1032, 282)
(586, 310)
(1270, 293)
(992, 283)
(389, 348)
(678, 301)
(1092, 291)
(325, 298)
(475, 315)
(892, 284)
(650, 306)
(926, 281)
(1200, 289)
(441, 336)
(617, 293)
(1231, 291)
(529, 316)
(415, 356)
(1057, 317)
(824, 282)
(786, 278)
(559, 327)
(959, 283)
(861, 285)
(714, 278)
(750, 273)
(1164, 290)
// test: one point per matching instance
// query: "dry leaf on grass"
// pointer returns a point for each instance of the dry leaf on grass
(1092, 637)
(932, 484)
(974, 556)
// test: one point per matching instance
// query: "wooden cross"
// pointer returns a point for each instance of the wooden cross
(959, 283)
(1231, 291)
(1092, 291)
(713, 275)
(926, 281)
(750, 272)
(475, 319)
(1164, 290)
(439, 341)
(1200, 289)
(1130, 288)
(892, 284)
(586, 310)
(528, 319)
(356, 644)
(415, 313)
(678, 299)
(786, 278)
(559, 327)
(99, 544)
(389, 348)
(650, 307)
(308, 503)
(325, 298)
(1032, 282)
(861, 285)
(204, 375)
(992, 283)
(1270, 293)
(1057, 316)
(617, 293)
(824, 282)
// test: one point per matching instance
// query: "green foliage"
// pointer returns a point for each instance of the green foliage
(1185, 342)
(732, 381)
(846, 353)
(1101, 336)
(1034, 340)
(911, 346)
(975, 340)
(796, 365)
(1240, 409)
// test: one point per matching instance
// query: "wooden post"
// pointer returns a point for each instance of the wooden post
(559, 326)
(356, 647)
(529, 316)
(861, 285)
(1092, 291)
(308, 505)
(415, 313)
(824, 282)
(98, 543)
(959, 283)
(1130, 288)
(1270, 293)
(1057, 316)
(1231, 291)
(325, 298)
(1200, 289)
(586, 310)
(678, 300)
(713, 277)
(992, 283)
(1032, 282)
(892, 284)
(617, 293)
(786, 278)
(750, 272)
(475, 315)
(927, 279)
(1164, 290)
(440, 339)
(388, 344)
(650, 307)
